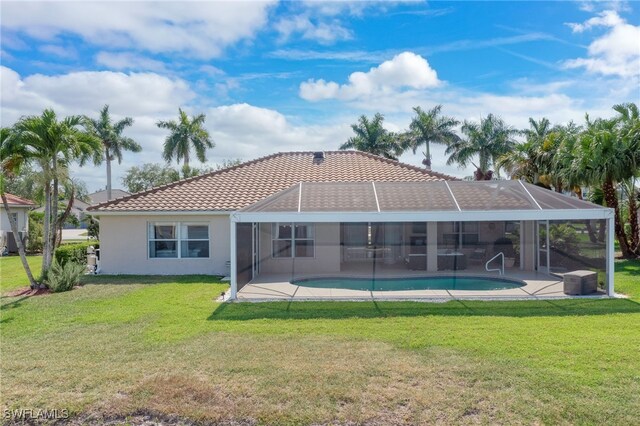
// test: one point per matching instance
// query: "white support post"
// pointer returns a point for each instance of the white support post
(234, 261)
(610, 257)
(548, 251)
(522, 242)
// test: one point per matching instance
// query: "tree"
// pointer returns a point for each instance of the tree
(629, 123)
(430, 127)
(185, 134)
(149, 176)
(52, 145)
(372, 137)
(26, 182)
(114, 143)
(12, 156)
(608, 153)
(488, 140)
(527, 160)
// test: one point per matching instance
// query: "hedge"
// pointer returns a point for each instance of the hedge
(76, 252)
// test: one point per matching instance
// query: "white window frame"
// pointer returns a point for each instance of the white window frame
(179, 240)
(274, 234)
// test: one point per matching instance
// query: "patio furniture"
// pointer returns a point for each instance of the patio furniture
(451, 260)
(580, 282)
(418, 262)
(478, 256)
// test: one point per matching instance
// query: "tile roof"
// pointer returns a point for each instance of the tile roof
(14, 200)
(237, 187)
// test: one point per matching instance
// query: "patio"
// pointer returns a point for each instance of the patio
(378, 230)
(278, 287)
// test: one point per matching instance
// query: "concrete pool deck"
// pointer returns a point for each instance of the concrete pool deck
(537, 286)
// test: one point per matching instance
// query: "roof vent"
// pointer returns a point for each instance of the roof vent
(318, 157)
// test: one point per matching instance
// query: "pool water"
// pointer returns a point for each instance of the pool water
(411, 283)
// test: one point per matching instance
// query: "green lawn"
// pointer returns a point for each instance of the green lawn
(12, 275)
(122, 345)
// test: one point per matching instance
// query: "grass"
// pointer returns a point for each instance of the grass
(126, 344)
(12, 275)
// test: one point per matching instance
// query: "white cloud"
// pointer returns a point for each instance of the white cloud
(322, 32)
(247, 132)
(616, 53)
(82, 92)
(202, 29)
(211, 70)
(239, 130)
(146, 97)
(128, 61)
(405, 71)
(59, 51)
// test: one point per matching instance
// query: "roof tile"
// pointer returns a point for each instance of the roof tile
(239, 186)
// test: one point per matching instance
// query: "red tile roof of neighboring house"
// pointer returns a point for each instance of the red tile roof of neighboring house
(239, 186)
(14, 200)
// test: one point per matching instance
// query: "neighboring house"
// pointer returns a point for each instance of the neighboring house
(20, 210)
(79, 207)
(292, 215)
(100, 197)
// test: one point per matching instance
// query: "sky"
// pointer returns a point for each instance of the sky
(290, 76)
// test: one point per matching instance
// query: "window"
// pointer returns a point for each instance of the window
(457, 234)
(163, 240)
(194, 240)
(293, 240)
(469, 233)
(178, 240)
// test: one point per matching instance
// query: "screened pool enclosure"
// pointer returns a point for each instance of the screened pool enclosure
(377, 231)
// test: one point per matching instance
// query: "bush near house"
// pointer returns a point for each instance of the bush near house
(76, 252)
(63, 277)
(36, 232)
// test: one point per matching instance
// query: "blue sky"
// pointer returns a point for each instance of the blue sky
(294, 75)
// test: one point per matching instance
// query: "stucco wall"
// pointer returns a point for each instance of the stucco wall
(22, 218)
(326, 259)
(124, 246)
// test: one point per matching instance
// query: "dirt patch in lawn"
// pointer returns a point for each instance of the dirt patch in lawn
(311, 380)
(27, 292)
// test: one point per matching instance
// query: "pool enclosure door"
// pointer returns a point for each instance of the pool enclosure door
(542, 232)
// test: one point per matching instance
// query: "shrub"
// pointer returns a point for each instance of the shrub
(64, 277)
(564, 238)
(93, 228)
(75, 252)
(35, 238)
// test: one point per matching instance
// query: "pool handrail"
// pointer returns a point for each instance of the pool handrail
(499, 270)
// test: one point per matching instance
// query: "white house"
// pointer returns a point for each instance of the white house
(19, 208)
(290, 216)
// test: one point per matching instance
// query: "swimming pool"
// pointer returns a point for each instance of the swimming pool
(410, 283)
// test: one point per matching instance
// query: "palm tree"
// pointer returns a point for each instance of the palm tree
(53, 145)
(12, 156)
(372, 137)
(608, 156)
(629, 123)
(112, 140)
(558, 162)
(522, 162)
(430, 127)
(487, 140)
(185, 134)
